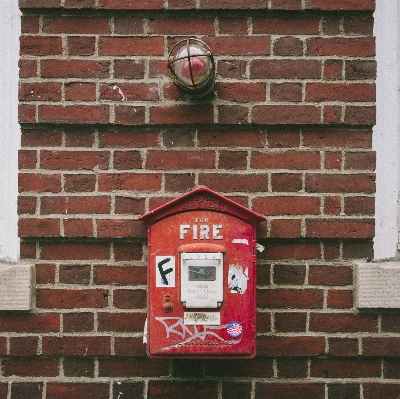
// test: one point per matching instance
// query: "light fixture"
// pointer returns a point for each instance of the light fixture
(192, 68)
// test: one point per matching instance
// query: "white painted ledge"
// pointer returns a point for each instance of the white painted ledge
(16, 286)
(378, 284)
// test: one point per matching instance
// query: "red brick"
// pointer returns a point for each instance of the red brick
(239, 45)
(25, 390)
(331, 26)
(129, 346)
(286, 92)
(343, 346)
(127, 160)
(182, 114)
(360, 69)
(78, 367)
(179, 182)
(120, 275)
(132, 69)
(232, 69)
(123, 46)
(71, 390)
(74, 251)
(291, 250)
(178, 160)
(360, 160)
(234, 182)
(286, 114)
(79, 4)
(333, 69)
(233, 4)
(286, 182)
(292, 367)
(286, 26)
(381, 346)
(337, 138)
(127, 367)
(111, 228)
(146, 182)
(232, 160)
(233, 390)
(74, 160)
(290, 346)
(46, 91)
(358, 249)
(289, 390)
(128, 26)
(45, 273)
(358, 26)
(345, 368)
(333, 160)
(286, 5)
(285, 69)
(74, 205)
(27, 159)
(233, 114)
(129, 92)
(340, 299)
(31, 367)
(332, 205)
(79, 183)
(359, 205)
(360, 115)
(42, 4)
(35, 227)
(129, 299)
(75, 69)
(130, 5)
(137, 139)
(81, 45)
(40, 45)
(335, 183)
(290, 298)
(241, 92)
(130, 206)
(3, 347)
(341, 46)
(29, 24)
(350, 92)
(43, 322)
(76, 25)
(294, 160)
(74, 114)
(278, 205)
(77, 91)
(285, 228)
(71, 299)
(183, 389)
(121, 322)
(290, 322)
(288, 46)
(78, 322)
(231, 138)
(76, 346)
(27, 68)
(341, 5)
(232, 26)
(330, 275)
(26, 113)
(181, 4)
(125, 115)
(343, 322)
(41, 138)
(28, 250)
(39, 182)
(340, 228)
(74, 274)
(182, 26)
(128, 251)
(26, 205)
(381, 390)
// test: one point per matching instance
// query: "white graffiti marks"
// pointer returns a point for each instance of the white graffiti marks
(237, 279)
(175, 326)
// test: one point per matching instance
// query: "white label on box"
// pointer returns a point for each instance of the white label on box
(202, 318)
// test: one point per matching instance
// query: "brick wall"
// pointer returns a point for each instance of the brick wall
(106, 137)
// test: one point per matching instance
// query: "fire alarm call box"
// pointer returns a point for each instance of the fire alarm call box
(201, 277)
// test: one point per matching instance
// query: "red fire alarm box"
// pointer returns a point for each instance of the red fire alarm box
(201, 277)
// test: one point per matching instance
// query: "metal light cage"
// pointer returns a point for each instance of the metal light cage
(188, 52)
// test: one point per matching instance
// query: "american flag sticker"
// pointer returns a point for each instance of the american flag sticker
(234, 329)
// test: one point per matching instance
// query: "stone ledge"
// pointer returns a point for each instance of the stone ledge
(378, 284)
(16, 286)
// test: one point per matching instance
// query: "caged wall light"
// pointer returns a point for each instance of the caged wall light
(192, 68)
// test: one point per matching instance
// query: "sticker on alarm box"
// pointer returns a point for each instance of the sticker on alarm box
(165, 271)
